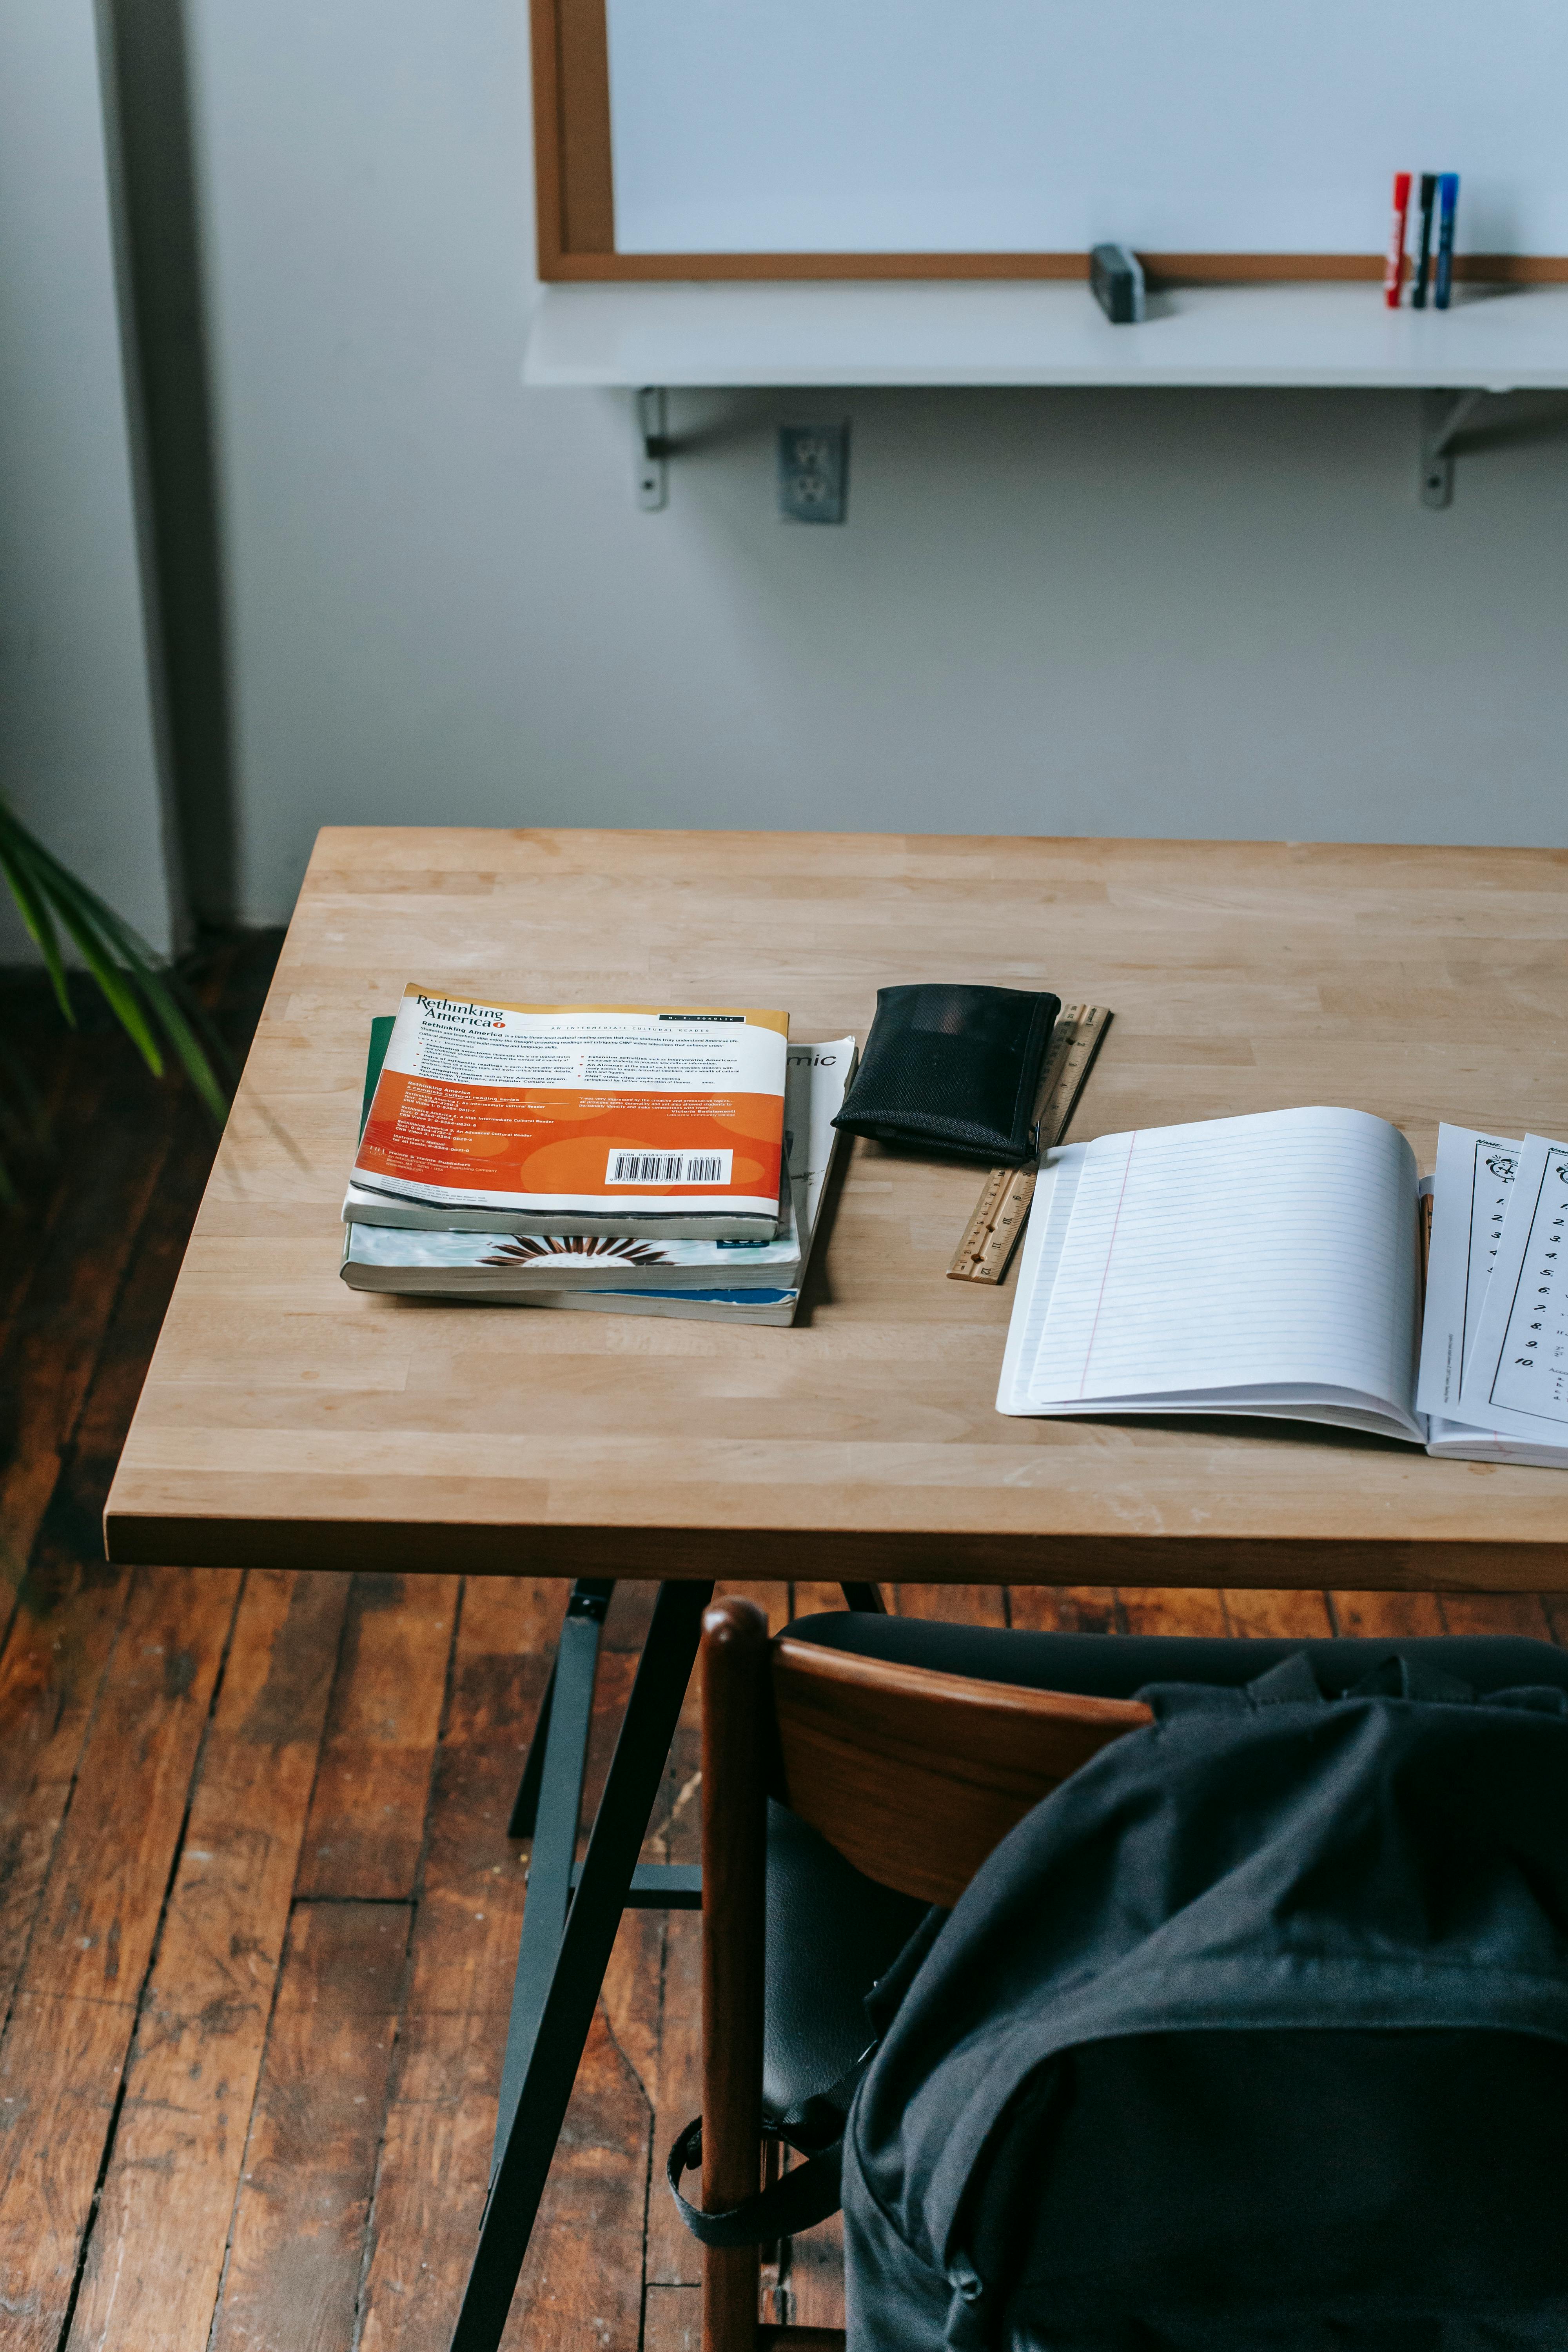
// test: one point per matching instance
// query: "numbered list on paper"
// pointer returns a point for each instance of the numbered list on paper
(1531, 1375)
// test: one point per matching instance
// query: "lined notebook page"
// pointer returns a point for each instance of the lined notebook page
(1272, 1250)
(1049, 1215)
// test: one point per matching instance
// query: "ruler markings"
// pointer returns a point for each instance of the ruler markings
(988, 1239)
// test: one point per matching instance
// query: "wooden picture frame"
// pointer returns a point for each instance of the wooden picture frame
(574, 181)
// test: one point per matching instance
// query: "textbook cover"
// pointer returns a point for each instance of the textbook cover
(589, 1118)
(744, 1282)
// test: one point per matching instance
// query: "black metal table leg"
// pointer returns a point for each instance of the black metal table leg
(525, 1804)
(867, 1597)
(562, 1744)
(582, 1956)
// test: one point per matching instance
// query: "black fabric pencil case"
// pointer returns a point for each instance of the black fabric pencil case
(952, 1066)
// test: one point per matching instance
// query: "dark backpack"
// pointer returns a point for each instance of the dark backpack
(1253, 2037)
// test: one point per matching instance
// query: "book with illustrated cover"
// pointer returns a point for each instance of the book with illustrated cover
(597, 1118)
(719, 1281)
(1270, 1265)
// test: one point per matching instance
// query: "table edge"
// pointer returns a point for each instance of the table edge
(759, 1555)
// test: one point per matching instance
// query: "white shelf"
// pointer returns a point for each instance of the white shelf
(1019, 332)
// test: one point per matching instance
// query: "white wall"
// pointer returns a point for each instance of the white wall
(78, 750)
(1158, 613)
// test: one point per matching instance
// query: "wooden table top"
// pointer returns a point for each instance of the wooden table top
(287, 1421)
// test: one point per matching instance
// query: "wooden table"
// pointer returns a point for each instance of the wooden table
(287, 1420)
(286, 1417)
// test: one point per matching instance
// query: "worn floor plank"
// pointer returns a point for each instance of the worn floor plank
(1386, 1616)
(952, 1604)
(156, 2252)
(582, 2282)
(367, 1811)
(1283, 1616)
(55, 1654)
(128, 1157)
(440, 2118)
(672, 2255)
(70, 1602)
(298, 2246)
(674, 2319)
(88, 1953)
(1521, 1613)
(812, 1600)
(1072, 1609)
(58, 1323)
(1152, 1612)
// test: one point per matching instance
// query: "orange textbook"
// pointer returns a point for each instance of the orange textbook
(575, 1119)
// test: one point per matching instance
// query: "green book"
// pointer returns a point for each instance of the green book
(381, 1030)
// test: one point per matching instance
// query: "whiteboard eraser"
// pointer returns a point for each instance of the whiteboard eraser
(1115, 278)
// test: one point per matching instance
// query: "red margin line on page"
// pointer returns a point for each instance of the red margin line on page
(1110, 1245)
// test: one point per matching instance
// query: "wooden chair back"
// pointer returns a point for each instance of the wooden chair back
(916, 1775)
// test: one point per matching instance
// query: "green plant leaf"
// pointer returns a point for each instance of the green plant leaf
(33, 905)
(161, 989)
(135, 962)
(136, 984)
(113, 980)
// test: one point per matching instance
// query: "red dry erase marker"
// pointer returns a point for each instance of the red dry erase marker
(1393, 270)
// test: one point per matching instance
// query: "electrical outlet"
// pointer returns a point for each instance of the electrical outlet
(814, 464)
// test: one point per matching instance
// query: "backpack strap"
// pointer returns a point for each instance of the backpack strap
(1292, 1683)
(797, 2201)
(815, 2127)
(800, 2199)
(1401, 1676)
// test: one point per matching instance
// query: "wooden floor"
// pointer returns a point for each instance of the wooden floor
(257, 1906)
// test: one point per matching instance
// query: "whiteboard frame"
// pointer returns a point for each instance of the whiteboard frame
(574, 190)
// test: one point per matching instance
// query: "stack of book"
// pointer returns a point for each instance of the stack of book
(662, 1161)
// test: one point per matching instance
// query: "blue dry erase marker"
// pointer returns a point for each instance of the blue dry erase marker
(1447, 205)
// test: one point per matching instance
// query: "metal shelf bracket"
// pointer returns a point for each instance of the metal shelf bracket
(1442, 418)
(653, 449)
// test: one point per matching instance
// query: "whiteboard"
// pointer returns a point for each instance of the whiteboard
(997, 126)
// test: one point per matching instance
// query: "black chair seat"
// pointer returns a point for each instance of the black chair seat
(832, 1931)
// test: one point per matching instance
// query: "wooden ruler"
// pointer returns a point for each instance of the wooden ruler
(982, 1255)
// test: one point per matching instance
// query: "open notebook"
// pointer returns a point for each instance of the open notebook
(1264, 1265)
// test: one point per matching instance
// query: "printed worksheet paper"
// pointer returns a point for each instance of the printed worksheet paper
(1516, 1375)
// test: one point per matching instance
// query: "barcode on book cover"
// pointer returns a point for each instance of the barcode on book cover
(669, 1168)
